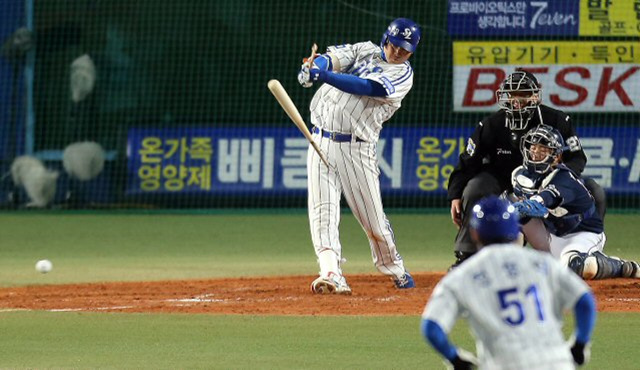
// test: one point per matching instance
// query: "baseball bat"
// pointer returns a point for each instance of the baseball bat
(314, 48)
(287, 104)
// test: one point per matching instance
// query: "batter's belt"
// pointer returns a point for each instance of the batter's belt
(335, 136)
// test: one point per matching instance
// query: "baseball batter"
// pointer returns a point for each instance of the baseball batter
(363, 86)
(513, 299)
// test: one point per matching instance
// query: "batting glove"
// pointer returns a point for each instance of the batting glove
(581, 352)
(531, 208)
(303, 76)
(307, 76)
(463, 361)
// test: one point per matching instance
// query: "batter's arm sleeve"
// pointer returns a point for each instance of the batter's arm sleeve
(469, 164)
(438, 339)
(574, 157)
(585, 317)
(352, 84)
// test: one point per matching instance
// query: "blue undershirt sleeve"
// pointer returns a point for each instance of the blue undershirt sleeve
(323, 62)
(438, 339)
(352, 84)
(585, 315)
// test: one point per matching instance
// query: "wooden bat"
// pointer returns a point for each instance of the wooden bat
(314, 48)
(287, 104)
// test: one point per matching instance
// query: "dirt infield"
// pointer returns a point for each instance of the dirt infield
(290, 295)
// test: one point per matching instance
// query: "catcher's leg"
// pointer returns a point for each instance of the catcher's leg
(594, 266)
(582, 252)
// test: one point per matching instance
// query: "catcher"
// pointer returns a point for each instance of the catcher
(557, 211)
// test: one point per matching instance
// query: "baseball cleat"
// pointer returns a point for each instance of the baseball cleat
(331, 284)
(405, 281)
(630, 269)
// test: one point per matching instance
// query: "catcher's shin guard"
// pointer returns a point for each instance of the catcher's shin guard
(575, 261)
(630, 269)
(606, 267)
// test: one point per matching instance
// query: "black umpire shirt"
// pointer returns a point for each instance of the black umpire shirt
(495, 148)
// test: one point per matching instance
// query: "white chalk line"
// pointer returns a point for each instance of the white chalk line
(623, 299)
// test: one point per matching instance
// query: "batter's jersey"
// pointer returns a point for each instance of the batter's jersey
(514, 300)
(335, 110)
(495, 148)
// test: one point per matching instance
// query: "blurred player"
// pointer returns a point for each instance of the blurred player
(363, 86)
(559, 212)
(493, 152)
(513, 299)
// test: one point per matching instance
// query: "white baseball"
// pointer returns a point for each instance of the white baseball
(44, 266)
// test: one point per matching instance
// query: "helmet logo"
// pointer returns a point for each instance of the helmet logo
(394, 31)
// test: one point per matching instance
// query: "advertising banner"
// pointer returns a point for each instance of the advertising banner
(605, 18)
(270, 161)
(585, 76)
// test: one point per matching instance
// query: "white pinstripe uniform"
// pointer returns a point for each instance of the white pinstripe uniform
(514, 300)
(355, 171)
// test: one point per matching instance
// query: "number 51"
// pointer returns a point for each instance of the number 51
(509, 298)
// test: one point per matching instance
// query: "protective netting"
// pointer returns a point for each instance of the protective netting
(174, 94)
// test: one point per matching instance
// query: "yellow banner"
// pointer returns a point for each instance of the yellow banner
(545, 52)
(609, 18)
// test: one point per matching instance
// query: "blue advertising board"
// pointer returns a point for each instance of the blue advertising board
(513, 18)
(11, 115)
(272, 161)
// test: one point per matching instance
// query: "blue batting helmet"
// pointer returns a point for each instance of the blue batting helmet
(402, 32)
(495, 219)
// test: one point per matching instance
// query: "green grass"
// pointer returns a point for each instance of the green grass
(98, 247)
(91, 340)
(111, 247)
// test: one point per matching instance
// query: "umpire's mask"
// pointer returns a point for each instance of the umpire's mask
(519, 96)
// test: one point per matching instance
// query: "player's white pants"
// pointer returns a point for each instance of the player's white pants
(355, 174)
(583, 241)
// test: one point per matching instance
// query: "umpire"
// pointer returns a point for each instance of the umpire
(493, 152)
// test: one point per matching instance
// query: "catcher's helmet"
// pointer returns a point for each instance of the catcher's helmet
(549, 144)
(495, 220)
(402, 32)
(519, 96)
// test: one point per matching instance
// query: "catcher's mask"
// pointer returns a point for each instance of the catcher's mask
(519, 96)
(541, 149)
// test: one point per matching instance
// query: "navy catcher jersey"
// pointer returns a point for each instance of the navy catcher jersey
(571, 206)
